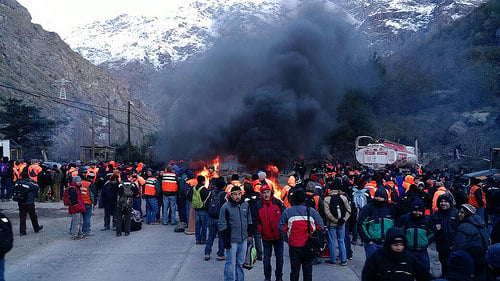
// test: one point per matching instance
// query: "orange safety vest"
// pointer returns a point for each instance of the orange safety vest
(168, 183)
(285, 196)
(372, 187)
(150, 187)
(34, 169)
(441, 190)
(85, 191)
(94, 171)
(472, 198)
(391, 185)
(316, 200)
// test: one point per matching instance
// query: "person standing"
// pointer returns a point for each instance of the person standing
(337, 210)
(6, 176)
(44, 182)
(445, 220)
(294, 229)
(200, 198)
(236, 228)
(217, 199)
(76, 208)
(28, 205)
(56, 178)
(373, 222)
(393, 262)
(126, 191)
(170, 188)
(419, 231)
(151, 189)
(88, 192)
(269, 210)
(109, 196)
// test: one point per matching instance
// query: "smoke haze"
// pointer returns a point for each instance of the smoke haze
(265, 97)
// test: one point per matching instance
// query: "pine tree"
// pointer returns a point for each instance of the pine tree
(24, 124)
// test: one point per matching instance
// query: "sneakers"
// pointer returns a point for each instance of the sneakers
(344, 263)
(39, 229)
(221, 258)
(207, 258)
(330, 262)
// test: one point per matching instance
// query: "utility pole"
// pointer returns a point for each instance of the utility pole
(109, 125)
(128, 132)
(93, 138)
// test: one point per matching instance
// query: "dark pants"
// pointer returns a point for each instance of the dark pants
(108, 213)
(278, 252)
(6, 188)
(298, 258)
(23, 211)
(122, 217)
(181, 209)
(443, 257)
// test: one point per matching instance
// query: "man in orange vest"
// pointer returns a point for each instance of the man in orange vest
(170, 188)
(33, 171)
(151, 189)
(88, 192)
(477, 197)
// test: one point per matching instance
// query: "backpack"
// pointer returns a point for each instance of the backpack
(196, 202)
(250, 257)
(359, 197)
(125, 201)
(20, 192)
(337, 205)
(4, 169)
(6, 235)
(214, 205)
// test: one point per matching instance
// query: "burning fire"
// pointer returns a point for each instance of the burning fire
(272, 175)
(204, 172)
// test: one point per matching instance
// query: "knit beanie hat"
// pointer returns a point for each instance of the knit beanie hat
(468, 209)
(418, 205)
(460, 262)
(381, 193)
(493, 255)
(76, 179)
(298, 196)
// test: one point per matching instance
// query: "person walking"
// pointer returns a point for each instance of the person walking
(268, 214)
(294, 229)
(445, 220)
(236, 228)
(28, 205)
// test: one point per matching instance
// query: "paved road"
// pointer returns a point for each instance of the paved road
(154, 253)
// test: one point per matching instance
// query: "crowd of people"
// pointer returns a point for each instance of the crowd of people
(395, 214)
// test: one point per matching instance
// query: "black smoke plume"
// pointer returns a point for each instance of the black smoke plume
(265, 97)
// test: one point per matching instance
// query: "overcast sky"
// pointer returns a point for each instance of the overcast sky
(63, 15)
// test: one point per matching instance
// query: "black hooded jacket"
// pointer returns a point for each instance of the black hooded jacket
(387, 265)
(448, 224)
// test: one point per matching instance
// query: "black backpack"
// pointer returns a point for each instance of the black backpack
(337, 205)
(6, 235)
(20, 191)
(214, 205)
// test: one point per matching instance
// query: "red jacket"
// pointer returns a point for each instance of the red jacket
(293, 224)
(268, 216)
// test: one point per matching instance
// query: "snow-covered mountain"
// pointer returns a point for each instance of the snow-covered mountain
(193, 27)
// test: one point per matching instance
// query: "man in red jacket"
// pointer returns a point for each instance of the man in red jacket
(269, 210)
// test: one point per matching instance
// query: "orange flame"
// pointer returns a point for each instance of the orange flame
(273, 174)
(204, 172)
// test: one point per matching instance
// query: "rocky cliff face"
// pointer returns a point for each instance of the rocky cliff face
(34, 60)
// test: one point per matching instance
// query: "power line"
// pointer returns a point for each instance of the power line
(56, 100)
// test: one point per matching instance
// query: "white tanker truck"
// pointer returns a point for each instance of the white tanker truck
(376, 154)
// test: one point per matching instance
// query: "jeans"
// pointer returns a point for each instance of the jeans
(188, 211)
(76, 225)
(480, 212)
(257, 239)
(86, 219)
(6, 188)
(2, 269)
(151, 209)
(298, 259)
(347, 241)
(169, 202)
(136, 204)
(200, 229)
(336, 234)
(235, 257)
(278, 253)
(371, 248)
(423, 257)
(213, 230)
